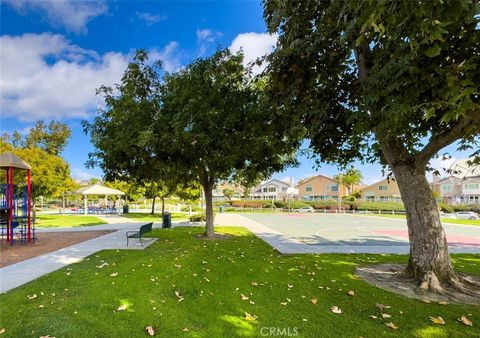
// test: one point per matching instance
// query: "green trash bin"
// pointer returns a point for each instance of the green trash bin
(125, 209)
(221, 209)
(167, 220)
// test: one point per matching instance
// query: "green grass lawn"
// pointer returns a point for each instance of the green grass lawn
(445, 220)
(56, 221)
(210, 277)
(157, 217)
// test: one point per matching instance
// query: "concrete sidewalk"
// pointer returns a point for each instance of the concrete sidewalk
(20, 273)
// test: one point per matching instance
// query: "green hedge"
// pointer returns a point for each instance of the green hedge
(375, 206)
(291, 204)
(329, 205)
(466, 207)
(198, 218)
(446, 208)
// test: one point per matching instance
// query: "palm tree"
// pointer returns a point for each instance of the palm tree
(350, 177)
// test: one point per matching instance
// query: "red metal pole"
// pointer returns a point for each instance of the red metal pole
(11, 205)
(7, 201)
(28, 206)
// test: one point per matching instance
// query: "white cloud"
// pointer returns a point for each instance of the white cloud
(254, 45)
(81, 174)
(170, 55)
(205, 37)
(441, 163)
(45, 76)
(149, 18)
(72, 15)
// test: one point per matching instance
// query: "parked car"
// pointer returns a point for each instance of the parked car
(466, 215)
(304, 209)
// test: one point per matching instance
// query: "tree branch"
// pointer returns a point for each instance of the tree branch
(439, 141)
(361, 54)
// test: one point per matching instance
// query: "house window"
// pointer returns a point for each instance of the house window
(382, 187)
(370, 196)
(272, 189)
(332, 187)
(308, 188)
(265, 189)
(284, 189)
(447, 187)
(384, 198)
(471, 186)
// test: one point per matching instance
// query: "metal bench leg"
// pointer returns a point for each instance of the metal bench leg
(141, 241)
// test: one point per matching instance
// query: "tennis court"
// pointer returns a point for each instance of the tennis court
(359, 231)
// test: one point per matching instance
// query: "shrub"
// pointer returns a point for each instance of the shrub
(382, 206)
(446, 208)
(195, 208)
(198, 218)
(251, 204)
(466, 207)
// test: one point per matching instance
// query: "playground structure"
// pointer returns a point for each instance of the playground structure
(15, 201)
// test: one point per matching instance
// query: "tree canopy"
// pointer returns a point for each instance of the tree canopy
(206, 123)
(388, 81)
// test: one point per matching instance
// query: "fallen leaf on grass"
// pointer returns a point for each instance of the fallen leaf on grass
(253, 283)
(351, 293)
(426, 301)
(284, 303)
(243, 297)
(437, 320)
(178, 266)
(386, 315)
(185, 329)
(32, 296)
(313, 301)
(381, 306)
(443, 303)
(336, 309)
(114, 274)
(465, 321)
(250, 317)
(252, 302)
(391, 325)
(150, 330)
(47, 336)
(373, 317)
(122, 307)
(2, 331)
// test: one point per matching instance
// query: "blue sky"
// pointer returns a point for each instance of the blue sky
(55, 53)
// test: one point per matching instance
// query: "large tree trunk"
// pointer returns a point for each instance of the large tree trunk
(429, 262)
(153, 205)
(209, 225)
(163, 206)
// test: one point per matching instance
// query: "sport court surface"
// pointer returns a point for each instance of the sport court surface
(357, 231)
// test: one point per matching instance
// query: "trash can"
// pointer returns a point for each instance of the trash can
(125, 209)
(221, 209)
(167, 220)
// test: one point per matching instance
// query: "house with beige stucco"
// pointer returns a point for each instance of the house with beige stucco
(461, 186)
(382, 191)
(321, 188)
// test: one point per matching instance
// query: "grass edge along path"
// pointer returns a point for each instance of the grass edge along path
(67, 221)
(184, 286)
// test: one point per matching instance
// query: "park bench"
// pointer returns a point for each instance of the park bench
(138, 234)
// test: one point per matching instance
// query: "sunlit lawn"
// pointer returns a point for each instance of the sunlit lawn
(210, 277)
(444, 220)
(56, 221)
(157, 217)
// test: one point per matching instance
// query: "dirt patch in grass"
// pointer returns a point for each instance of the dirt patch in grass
(389, 277)
(46, 242)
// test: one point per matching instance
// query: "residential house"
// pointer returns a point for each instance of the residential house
(218, 191)
(272, 190)
(461, 186)
(321, 188)
(383, 191)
